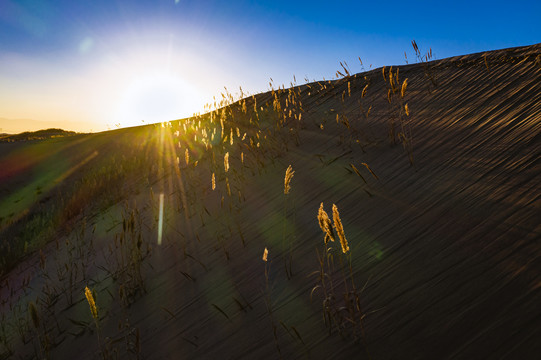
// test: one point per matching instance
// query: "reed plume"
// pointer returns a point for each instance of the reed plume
(339, 229)
(404, 86)
(363, 94)
(213, 182)
(91, 302)
(287, 179)
(265, 254)
(187, 156)
(325, 224)
(226, 161)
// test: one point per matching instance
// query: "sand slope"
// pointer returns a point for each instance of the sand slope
(444, 234)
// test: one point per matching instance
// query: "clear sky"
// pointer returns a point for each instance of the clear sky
(90, 65)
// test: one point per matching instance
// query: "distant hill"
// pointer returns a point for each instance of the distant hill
(36, 135)
(15, 126)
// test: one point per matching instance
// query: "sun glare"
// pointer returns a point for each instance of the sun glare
(156, 97)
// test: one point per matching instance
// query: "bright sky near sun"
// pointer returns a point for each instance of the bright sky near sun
(93, 65)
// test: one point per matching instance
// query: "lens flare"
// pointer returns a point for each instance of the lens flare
(160, 221)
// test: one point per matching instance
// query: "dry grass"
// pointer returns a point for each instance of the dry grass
(339, 229)
(91, 302)
(325, 224)
(287, 179)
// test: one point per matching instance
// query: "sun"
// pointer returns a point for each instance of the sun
(156, 96)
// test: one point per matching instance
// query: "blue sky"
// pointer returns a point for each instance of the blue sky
(124, 62)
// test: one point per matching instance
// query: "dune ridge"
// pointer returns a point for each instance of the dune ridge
(442, 223)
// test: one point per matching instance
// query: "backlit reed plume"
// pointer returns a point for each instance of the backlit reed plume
(325, 224)
(363, 94)
(287, 179)
(91, 302)
(339, 229)
(213, 182)
(226, 161)
(404, 86)
(265, 254)
(187, 156)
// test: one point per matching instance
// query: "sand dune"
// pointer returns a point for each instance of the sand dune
(442, 224)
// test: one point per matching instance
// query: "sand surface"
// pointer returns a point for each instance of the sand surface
(444, 231)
